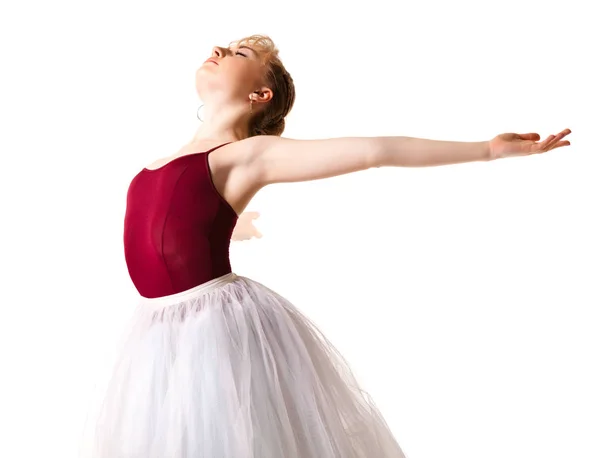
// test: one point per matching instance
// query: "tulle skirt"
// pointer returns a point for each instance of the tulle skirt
(231, 369)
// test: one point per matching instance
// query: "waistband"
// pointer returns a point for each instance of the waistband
(176, 298)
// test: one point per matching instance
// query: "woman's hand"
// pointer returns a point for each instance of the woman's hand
(244, 229)
(507, 145)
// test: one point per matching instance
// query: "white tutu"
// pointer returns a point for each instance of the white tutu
(230, 369)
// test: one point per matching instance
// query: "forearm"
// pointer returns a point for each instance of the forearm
(421, 152)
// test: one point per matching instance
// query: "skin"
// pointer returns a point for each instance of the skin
(234, 84)
(244, 229)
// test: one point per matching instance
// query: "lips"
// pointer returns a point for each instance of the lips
(211, 60)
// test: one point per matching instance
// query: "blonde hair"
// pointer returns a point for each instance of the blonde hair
(271, 120)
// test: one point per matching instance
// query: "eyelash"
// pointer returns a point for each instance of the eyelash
(240, 54)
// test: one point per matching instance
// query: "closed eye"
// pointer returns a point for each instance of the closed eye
(240, 54)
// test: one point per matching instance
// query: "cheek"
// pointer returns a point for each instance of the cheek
(239, 79)
(242, 78)
(246, 72)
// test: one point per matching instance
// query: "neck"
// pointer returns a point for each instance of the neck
(221, 125)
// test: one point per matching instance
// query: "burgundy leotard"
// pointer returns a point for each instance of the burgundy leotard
(177, 227)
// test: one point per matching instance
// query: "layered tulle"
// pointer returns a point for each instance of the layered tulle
(231, 369)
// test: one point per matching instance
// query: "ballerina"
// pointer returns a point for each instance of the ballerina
(217, 365)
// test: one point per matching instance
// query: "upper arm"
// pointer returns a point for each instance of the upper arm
(277, 160)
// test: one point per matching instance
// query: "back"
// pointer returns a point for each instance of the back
(177, 227)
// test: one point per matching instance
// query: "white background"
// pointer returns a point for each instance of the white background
(465, 297)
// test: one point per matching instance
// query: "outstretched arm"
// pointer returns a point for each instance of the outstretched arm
(277, 160)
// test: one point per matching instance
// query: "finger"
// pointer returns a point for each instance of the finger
(560, 136)
(531, 136)
(559, 144)
(565, 132)
(557, 139)
(539, 147)
(551, 143)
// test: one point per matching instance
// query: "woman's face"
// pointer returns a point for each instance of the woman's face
(233, 73)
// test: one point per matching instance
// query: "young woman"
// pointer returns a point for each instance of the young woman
(217, 365)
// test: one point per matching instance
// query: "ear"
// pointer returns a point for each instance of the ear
(263, 95)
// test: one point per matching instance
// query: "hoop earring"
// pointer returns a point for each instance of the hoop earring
(198, 113)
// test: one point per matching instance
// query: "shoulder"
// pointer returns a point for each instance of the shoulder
(243, 155)
(236, 167)
(249, 150)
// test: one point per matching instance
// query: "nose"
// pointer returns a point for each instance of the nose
(217, 51)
